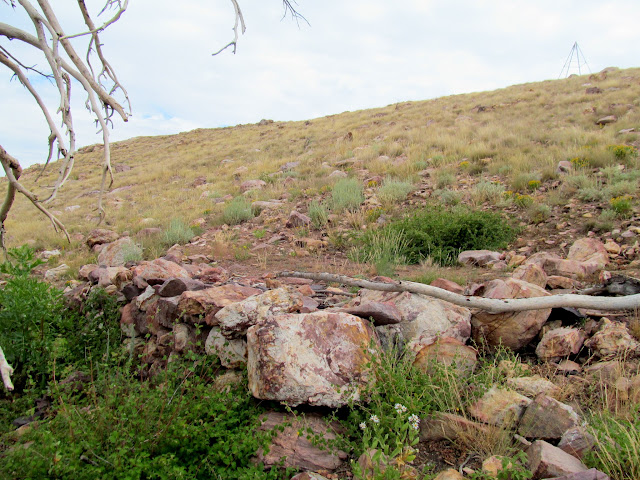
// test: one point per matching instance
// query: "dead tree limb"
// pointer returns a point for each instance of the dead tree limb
(630, 302)
(5, 371)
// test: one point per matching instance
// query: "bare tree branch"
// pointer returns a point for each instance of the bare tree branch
(5, 371)
(239, 21)
(490, 305)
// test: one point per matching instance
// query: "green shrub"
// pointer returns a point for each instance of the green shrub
(347, 194)
(623, 152)
(176, 426)
(394, 191)
(621, 205)
(237, 211)
(487, 192)
(448, 197)
(539, 212)
(442, 234)
(385, 249)
(318, 214)
(177, 232)
(444, 178)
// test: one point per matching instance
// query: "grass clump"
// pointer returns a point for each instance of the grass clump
(177, 232)
(318, 214)
(237, 211)
(384, 251)
(441, 234)
(487, 192)
(394, 191)
(347, 194)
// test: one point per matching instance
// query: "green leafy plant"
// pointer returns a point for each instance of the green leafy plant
(237, 211)
(442, 234)
(347, 194)
(621, 205)
(177, 232)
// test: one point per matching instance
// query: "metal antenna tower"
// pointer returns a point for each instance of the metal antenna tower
(579, 59)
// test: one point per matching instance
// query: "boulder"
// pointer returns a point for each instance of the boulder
(173, 287)
(449, 352)
(553, 265)
(449, 474)
(296, 447)
(320, 358)
(613, 339)
(252, 185)
(479, 258)
(232, 353)
(512, 329)
(380, 313)
(236, 318)
(559, 343)
(499, 407)
(184, 337)
(547, 461)
(115, 254)
(101, 236)
(166, 312)
(531, 273)
(424, 319)
(132, 321)
(206, 303)
(55, 273)
(607, 120)
(448, 285)
(105, 276)
(577, 441)
(532, 386)
(297, 219)
(546, 418)
(156, 272)
(589, 251)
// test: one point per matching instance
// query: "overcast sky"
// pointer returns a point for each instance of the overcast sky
(355, 54)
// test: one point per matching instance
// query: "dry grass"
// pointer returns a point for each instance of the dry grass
(521, 134)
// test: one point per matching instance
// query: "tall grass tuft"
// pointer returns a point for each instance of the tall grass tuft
(177, 232)
(347, 194)
(237, 211)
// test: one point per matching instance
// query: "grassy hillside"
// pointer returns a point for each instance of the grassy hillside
(492, 150)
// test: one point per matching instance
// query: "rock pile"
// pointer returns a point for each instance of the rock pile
(305, 343)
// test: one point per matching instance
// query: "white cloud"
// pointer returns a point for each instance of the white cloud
(355, 55)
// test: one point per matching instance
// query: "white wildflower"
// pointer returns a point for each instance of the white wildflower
(400, 408)
(375, 419)
(363, 426)
(414, 419)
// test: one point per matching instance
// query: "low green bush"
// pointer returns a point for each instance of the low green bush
(177, 232)
(394, 191)
(441, 234)
(237, 211)
(347, 194)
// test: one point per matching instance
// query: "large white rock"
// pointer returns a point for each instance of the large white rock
(319, 358)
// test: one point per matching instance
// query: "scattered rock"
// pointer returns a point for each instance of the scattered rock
(209, 301)
(297, 219)
(479, 258)
(607, 120)
(499, 407)
(577, 441)
(296, 448)
(547, 461)
(449, 352)
(447, 285)
(55, 273)
(559, 343)
(252, 185)
(115, 254)
(101, 236)
(532, 386)
(531, 273)
(546, 418)
(232, 353)
(612, 339)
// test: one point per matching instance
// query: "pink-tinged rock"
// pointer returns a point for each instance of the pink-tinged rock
(568, 367)
(209, 301)
(531, 273)
(297, 219)
(101, 236)
(252, 185)
(634, 390)
(499, 407)
(613, 339)
(146, 298)
(553, 265)
(308, 476)
(449, 352)
(547, 461)
(176, 286)
(157, 272)
(231, 352)
(105, 276)
(448, 285)
(513, 330)
(381, 313)
(547, 418)
(132, 321)
(320, 358)
(532, 386)
(591, 474)
(577, 441)
(479, 258)
(449, 474)
(564, 166)
(424, 319)
(309, 305)
(447, 426)
(166, 312)
(589, 251)
(236, 318)
(85, 271)
(298, 450)
(184, 337)
(560, 343)
(114, 254)
(558, 282)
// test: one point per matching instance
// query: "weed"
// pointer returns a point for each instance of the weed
(237, 211)
(538, 212)
(448, 197)
(347, 194)
(177, 232)
(384, 249)
(260, 233)
(623, 153)
(622, 206)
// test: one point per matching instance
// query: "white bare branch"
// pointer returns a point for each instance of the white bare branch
(238, 22)
(629, 302)
(5, 371)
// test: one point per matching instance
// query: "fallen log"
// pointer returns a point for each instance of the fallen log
(5, 370)
(629, 302)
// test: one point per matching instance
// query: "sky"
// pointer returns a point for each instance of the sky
(351, 55)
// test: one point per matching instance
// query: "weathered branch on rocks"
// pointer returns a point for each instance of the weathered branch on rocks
(490, 305)
(5, 371)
